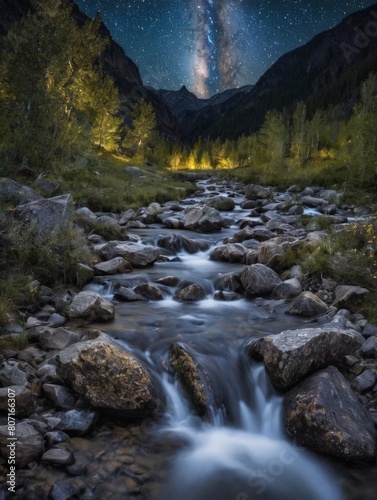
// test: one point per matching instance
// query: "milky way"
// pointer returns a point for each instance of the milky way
(215, 46)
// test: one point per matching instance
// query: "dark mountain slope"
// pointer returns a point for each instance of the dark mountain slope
(124, 71)
(327, 70)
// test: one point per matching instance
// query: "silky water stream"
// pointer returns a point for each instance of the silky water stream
(240, 451)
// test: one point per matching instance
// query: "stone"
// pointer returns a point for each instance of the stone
(91, 307)
(14, 193)
(46, 215)
(226, 296)
(311, 201)
(173, 223)
(125, 294)
(168, 281)
(126, 216)
(307, 304)
(62, 301)
(270, 253)
(364, 382)
(29, 444)
(136, 254)
(369, 348)
(348, 296)
(253, 191)
(56, 320)
(258, 279)
(288, 289)
(177, 242)
(230, 282)
(84, 215)
(369, 331)
(11, 374)
(55, 437)
(149, 291)
(229, 253)
(61, 396)
(109, 377)
(58, 457)
(203, 219)
(323, 414)
(117, 265)
(56, 338)
(190, 293)
(221, 203)
(294, 354)
(67, 489)
(76, 422)
(23, 397)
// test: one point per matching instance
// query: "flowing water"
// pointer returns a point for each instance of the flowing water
(240, 451)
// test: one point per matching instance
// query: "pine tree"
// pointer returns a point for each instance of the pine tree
(143, 124)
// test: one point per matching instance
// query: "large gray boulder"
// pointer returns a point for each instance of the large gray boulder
(91, 307)
(259, 279)
(28, 446)
(203, 219)
(253, 191)
(46, 215)
(117, 265)
(292, 355)
(16, 194)
(136, 254)
(109, 377)
(347, 296)
(229, 253)
(324, 414)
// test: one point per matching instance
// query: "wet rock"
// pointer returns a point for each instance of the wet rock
(126, 216)
(253, 192)
(117, 265)
(203, 219)
(323, 414)
(226, 296)
(149, 291)
(23, 397)
(46, 215)
(85, 216)
(286, 290)
(229, 253)
(91, 307)
(365, 381)
(369, 331)
(194, 377)
(259, 279)
(76, 422)
(173, 223)
(56, 338)
(190, 293)
(28, 447)
(126, 294)
(177, 242)
(151, 213)
(348, 296)
(109, 377)
(67, 489)
(369, 348)
(61, 396)
(310, 201)
(55, 437)
(56, 320)
(294, 354)
(270, 254)
(168, 281)
(221, 203)
(58, 457)
(32, 355)
(278, 226)
(307, 304)
(12, 192)
(136, 254)
(62, 301)
(229, 282)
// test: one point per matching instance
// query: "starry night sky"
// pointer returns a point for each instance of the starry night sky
(213, 45)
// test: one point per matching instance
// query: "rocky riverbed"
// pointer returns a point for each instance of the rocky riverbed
(191, 365)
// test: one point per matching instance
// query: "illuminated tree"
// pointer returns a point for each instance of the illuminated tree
(143, 124)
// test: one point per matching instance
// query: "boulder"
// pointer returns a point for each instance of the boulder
(151, 213)
(136, 254)
(323, 414)
(85, 216)
(125, 294)
(221, 203)
(76, 422)
(288, 289)
(126, 216)
(56, 338)
(347, 296)
(270, 253)
(28, 446)
(311, 201)
(369, 348)
(117, 265)
(91, 307)
(253, 191)
(307, 304)
(46, 215)
(190, 293)
(258, 279)
(61, 396)
(293, 354)
(229, 253)
(58, 457)
(177, 242)
(109, 377)
(149, 291)
(203, 219)
(168, 281)
(365, 381)
(16, 194)
(11, 373)
(65, 489)
(230, 282)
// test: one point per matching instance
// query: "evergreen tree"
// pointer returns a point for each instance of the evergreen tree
(144, 123)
